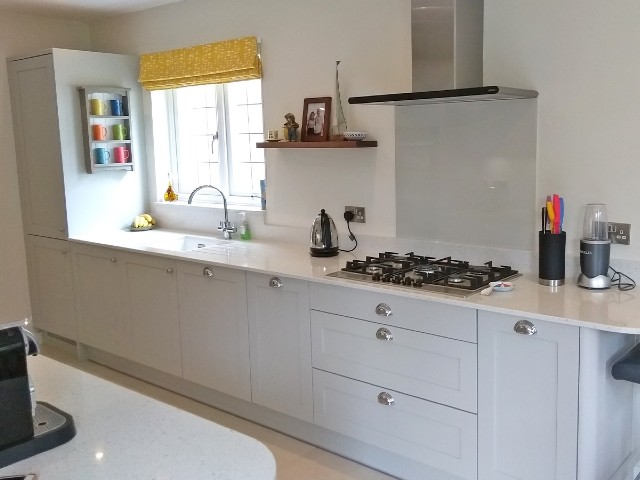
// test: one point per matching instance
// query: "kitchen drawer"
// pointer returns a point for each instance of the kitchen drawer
(415, 314)
(414, 363)
(440, 437)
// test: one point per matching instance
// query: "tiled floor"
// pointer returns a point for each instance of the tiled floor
(295, 460)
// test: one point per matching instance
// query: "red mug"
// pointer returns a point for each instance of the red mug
(120, 154)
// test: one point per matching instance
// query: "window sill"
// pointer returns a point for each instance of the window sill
(219, 206)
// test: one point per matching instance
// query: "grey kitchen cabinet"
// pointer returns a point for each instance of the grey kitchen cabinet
(127, 305)
(527, 398)
(51, 285)
(399, 374)
(280, 344)
(38, 146)
(150, 293)
(214, 328)
(99, 303)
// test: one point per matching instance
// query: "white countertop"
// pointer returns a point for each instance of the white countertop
(122, 434)
(610, 310)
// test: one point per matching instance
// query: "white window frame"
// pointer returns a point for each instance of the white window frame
(225, 151)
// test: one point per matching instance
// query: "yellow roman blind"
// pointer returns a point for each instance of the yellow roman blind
(220, 62)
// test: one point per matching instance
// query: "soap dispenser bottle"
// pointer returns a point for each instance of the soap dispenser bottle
(245, 233)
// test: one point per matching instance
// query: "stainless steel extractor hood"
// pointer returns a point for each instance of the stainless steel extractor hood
(475, 94)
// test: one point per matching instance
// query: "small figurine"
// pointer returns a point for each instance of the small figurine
(292, 127)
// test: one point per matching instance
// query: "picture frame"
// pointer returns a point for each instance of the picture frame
(314, 130)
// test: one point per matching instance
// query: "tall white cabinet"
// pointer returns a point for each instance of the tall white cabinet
(58, 198)
(38, 148)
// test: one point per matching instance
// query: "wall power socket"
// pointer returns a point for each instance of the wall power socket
(358, 214)
(620, 233)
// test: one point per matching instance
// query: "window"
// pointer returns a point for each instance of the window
(212, 135)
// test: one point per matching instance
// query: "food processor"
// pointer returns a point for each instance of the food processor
(595, 248)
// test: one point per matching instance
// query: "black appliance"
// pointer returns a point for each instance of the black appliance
(26, 427)
(595, 248)
(442, 275)
(473, 94)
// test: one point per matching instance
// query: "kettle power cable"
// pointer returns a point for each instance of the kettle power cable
(348, 216)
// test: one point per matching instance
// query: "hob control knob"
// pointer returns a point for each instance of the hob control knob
(417, 283)
(386, 278)
(397, 280)
(376, 277)
(407, 281)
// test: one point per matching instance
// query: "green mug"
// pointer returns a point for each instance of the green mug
(119, 132)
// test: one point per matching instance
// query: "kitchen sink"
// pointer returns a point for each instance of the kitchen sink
(187, 243)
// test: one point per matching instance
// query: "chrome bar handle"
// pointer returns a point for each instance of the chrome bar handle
(525, 327)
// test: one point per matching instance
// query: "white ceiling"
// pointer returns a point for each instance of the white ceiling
(85, 10)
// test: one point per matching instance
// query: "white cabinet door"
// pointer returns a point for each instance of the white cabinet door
(51, 286)
(527, 399)
(97, 281)
(214, 328)
(280, 344)
(153, 327)
(35, 121)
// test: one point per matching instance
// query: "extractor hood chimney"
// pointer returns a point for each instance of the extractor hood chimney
(446, 40)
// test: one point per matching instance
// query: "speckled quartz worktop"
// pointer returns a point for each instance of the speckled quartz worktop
(610, 310)
(122, 434)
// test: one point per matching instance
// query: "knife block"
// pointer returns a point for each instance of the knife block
(551, 253)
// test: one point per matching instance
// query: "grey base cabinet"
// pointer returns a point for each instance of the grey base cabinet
(279, 333)
(527, 398)
(51, 286)
(214, 328)
(398, 374)
(101, 322)
(127, 305)
(150, 289)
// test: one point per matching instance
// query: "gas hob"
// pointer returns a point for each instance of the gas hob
(444, 275)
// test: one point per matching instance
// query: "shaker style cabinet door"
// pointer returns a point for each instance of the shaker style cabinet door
(97, 281)
(150, 292)
(39, 158)
(279, 332)
(214, 329)
(527, 398)
(51, 286)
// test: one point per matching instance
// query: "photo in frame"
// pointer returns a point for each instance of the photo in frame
(316, 118)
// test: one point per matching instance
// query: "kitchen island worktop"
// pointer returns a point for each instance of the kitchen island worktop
(122, 434)
(609, 310)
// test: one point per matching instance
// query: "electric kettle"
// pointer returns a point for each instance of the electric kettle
(324, 236)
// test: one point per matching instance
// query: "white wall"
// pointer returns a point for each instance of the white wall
(300, 43)
(20, 34)
(583, 58)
